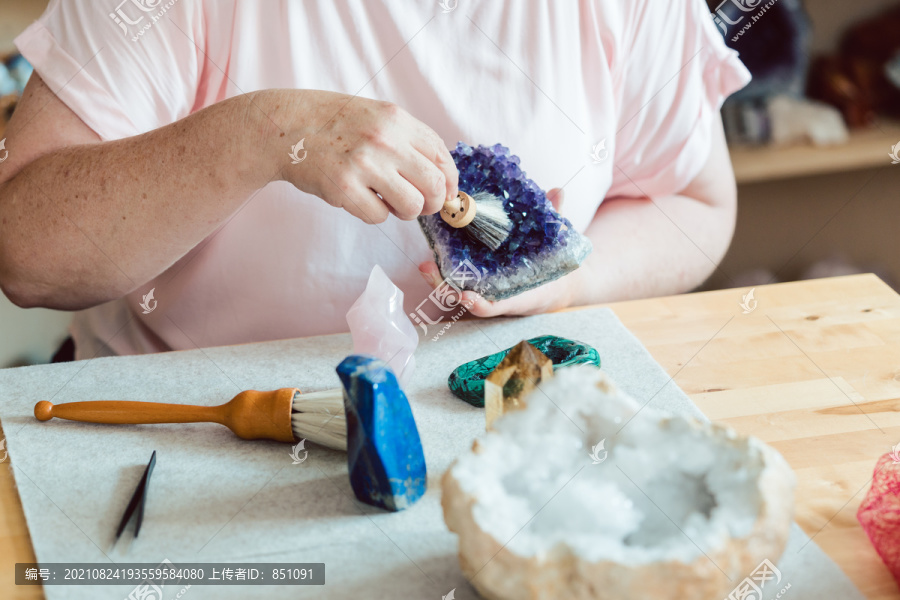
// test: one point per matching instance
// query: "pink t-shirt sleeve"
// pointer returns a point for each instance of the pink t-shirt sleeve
(675, 71)
(119, 81)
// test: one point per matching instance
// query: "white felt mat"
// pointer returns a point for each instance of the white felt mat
(214, 497)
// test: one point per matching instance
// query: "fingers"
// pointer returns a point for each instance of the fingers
(401, 197)
(372, 211)
(532, 302)
(431, 274)
(428, 179)
(358, 200)
(430, 145)
(388, 162)
(517, 305)
(528, 303)
(555, 196)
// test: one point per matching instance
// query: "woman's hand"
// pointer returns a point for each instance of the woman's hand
(370, 158)
(552, 296)
(549, 297)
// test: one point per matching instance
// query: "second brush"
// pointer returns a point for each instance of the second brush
(284, 415)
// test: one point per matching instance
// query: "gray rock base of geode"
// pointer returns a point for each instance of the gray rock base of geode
(544, 266)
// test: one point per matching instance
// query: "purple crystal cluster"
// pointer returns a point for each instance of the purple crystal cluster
(541, 247)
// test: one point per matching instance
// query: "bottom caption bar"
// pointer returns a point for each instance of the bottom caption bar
(168, 573)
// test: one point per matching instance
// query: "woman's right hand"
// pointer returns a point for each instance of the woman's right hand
(369, 157)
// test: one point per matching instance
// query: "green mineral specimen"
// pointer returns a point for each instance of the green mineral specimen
(467, 381)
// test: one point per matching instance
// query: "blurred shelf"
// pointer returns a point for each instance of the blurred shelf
(866, 148)
(15, 16)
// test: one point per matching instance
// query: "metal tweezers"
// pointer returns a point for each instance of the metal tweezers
(138, 501)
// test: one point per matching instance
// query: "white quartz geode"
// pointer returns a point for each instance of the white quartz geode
(676, 509)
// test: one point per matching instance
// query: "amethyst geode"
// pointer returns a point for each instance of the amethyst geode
(541, 247)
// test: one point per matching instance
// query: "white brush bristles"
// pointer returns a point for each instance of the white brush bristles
(319, 417)
(491, 225)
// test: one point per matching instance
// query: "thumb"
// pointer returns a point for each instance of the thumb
(555, 196)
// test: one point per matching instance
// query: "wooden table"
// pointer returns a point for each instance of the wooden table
(814, 370)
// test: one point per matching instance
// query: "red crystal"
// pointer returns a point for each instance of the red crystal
(879, 513)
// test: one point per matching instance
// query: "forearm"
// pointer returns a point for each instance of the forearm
(85, 224)
(645, 249)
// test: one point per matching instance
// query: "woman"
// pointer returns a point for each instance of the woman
(157, 184)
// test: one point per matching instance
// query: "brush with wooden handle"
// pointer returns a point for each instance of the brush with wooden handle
(283, 415)
(483, 216)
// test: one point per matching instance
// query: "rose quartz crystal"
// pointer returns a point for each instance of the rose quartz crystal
(379, 326)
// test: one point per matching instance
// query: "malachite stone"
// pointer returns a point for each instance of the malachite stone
(467, 381)
(384, 452)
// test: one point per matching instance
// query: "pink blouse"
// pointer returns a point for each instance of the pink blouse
(571, 87)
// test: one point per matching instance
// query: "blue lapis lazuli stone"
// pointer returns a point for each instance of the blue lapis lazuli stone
(384, 452)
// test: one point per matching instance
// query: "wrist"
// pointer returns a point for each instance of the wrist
(581, 283)
(276, 132)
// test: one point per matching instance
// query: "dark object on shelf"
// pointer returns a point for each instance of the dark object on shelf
(863, 79)
(832, 80)
(773, 43)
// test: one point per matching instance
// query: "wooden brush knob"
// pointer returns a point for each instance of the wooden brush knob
(459, 211)
(43, 410)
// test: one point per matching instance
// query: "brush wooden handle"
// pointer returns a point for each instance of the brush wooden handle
(459, 211)
(121, 412)
(250, 415)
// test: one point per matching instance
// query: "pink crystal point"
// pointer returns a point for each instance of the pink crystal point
(379, 325)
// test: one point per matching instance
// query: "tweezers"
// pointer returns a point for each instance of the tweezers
(138, 501)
